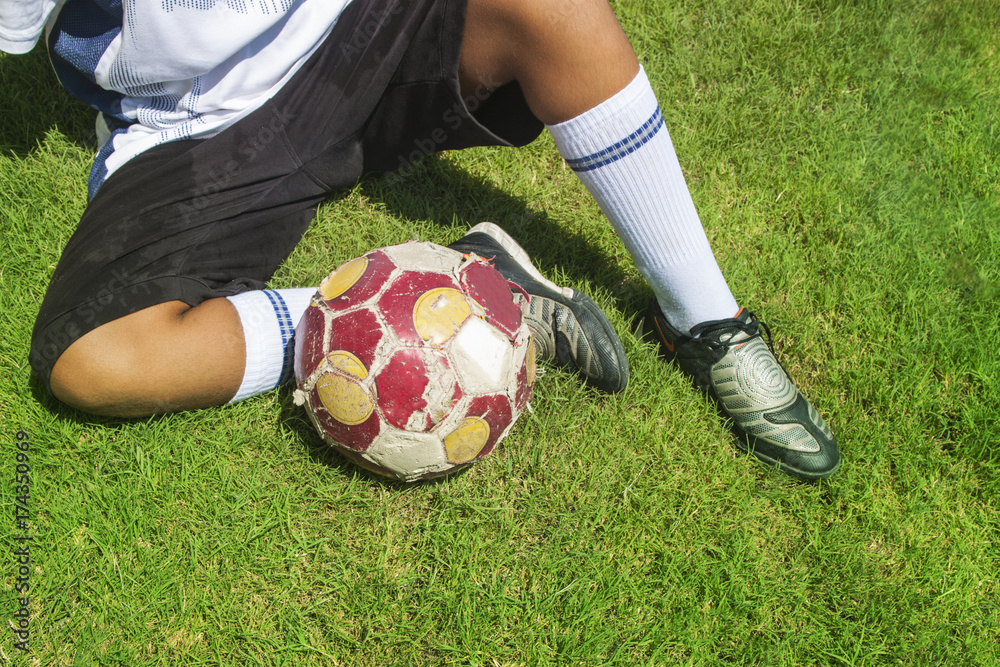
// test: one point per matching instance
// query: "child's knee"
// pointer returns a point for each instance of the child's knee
(86, 377)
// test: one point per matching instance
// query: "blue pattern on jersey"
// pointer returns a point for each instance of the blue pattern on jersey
(99, 170)
(239, 6)
(620, 149)
(81, 34)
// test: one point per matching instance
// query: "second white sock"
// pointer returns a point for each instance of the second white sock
(622, 152)
(269, 318)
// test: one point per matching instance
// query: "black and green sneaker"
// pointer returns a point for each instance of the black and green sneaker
(730, 360)
(570, 329)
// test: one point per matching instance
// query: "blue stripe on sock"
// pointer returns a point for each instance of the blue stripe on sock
(287, 329)
(617, 151)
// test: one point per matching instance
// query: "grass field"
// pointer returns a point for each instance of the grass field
(845, 159)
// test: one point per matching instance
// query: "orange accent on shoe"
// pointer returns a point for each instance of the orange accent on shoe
(663, 339)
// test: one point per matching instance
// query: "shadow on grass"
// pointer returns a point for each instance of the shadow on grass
(66, 413)
(443, 193)
(34, 103)
(292, 417)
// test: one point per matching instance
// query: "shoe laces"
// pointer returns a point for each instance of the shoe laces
(752, 327)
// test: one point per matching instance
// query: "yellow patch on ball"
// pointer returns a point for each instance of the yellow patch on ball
(343, 278)
(439, 313)
(465, 442)
(340, 390)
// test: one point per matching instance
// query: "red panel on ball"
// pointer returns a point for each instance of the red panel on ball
(398, 301)
(401, 386)
(406, 386)
(359, 332)
(524, 389)
(309, 342)
(490, 289)
(495, 409)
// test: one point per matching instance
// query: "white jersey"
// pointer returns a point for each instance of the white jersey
(164, 70)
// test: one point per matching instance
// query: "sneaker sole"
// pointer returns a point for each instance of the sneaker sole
(741, 443)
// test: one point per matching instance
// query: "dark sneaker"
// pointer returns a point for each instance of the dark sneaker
(570, 329)
(730, 360)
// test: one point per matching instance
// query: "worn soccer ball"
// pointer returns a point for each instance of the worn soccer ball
(414, 361)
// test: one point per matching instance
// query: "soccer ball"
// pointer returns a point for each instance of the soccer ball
(414, 361)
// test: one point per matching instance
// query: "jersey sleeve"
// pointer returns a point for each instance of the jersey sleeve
(21, 23)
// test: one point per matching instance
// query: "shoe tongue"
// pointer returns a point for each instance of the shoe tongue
(712, 326)
(731, 330)
(743, 327)
(732, 335)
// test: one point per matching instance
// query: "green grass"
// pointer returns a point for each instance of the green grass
(845, 158)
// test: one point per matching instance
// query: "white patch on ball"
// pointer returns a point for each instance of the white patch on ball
(483, 357)
(410, 455)
(424, 257)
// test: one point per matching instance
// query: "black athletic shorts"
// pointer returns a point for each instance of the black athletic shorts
(192, 220)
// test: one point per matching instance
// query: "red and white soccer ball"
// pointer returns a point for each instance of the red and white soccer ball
(413, 360)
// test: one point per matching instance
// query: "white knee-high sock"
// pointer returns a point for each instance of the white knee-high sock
(269, 318)
(622, 152)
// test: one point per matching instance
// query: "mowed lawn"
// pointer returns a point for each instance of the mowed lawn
(845, 159)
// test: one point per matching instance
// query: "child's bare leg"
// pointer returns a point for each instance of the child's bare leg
(567, 55)
(165, 358)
